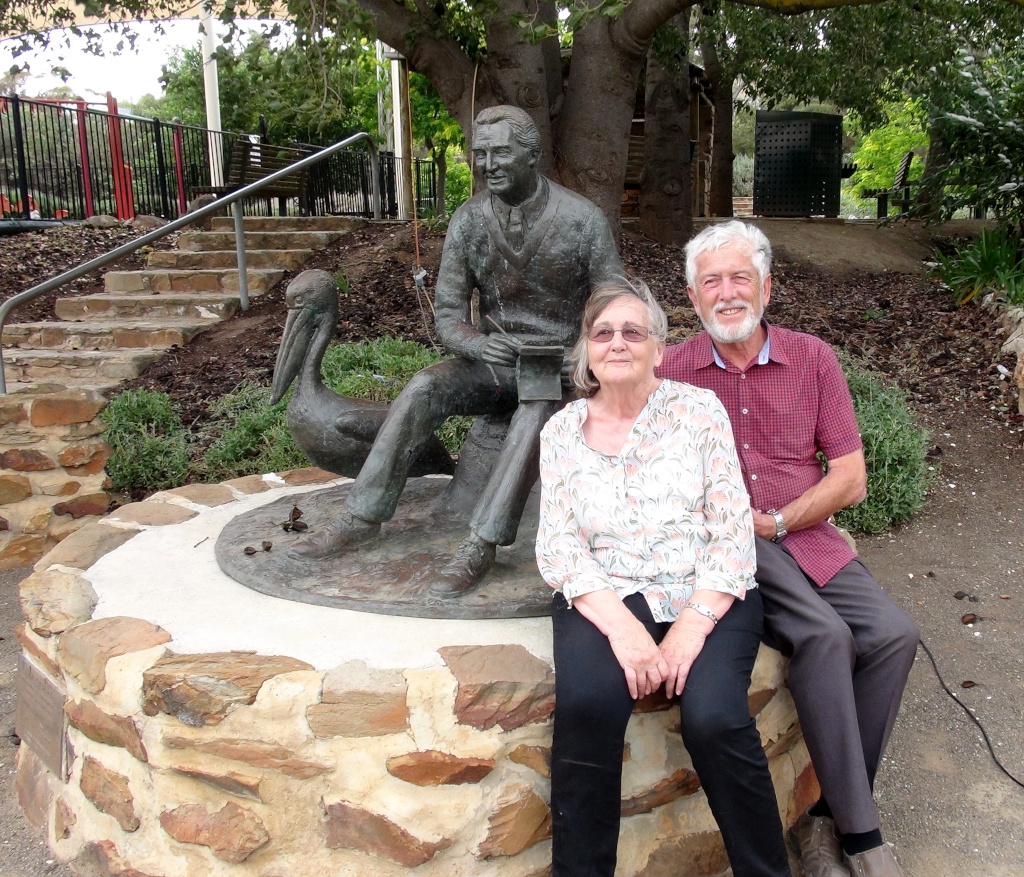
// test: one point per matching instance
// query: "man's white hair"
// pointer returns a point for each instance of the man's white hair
(721, 234)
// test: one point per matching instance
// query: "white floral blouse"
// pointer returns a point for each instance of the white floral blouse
(667, 516)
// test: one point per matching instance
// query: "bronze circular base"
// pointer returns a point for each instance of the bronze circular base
(391, 576)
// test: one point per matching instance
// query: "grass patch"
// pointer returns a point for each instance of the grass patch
(247, 436)
(149, 447)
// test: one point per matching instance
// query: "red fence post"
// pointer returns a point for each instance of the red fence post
(83, 146)
(122, 185)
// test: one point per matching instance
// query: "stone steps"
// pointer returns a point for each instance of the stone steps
(59, 374)
(204, 280)
(196, 306)
(289, 223)
(76, 368)
(105, 334)
(287, 260)
(193, 241)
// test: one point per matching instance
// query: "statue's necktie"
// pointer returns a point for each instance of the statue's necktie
(514, 231)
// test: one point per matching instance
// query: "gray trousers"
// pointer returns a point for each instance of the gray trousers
(850, 649)
(456, 386)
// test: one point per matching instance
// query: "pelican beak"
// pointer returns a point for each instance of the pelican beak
(298, 331)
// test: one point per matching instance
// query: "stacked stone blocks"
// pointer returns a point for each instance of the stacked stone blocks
(52, 481)
(236, 763)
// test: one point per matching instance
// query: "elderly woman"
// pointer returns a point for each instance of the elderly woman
(646, 535)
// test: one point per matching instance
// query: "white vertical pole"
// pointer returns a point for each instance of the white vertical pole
(211, 92)
(384, 129)
(403, 128)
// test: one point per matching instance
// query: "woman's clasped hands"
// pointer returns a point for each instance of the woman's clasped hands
(640, 658)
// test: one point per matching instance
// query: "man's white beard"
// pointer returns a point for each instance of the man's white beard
(736, 333)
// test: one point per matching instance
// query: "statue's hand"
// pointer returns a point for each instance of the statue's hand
(501, 349)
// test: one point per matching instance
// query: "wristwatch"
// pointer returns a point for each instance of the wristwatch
(780, 525)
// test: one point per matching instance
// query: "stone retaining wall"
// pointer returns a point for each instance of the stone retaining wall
(51, 470)
(1012, 320)
(142, 760)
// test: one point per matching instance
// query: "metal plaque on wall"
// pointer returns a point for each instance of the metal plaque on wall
(39, 717)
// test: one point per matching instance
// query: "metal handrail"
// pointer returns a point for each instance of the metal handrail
(188, 219)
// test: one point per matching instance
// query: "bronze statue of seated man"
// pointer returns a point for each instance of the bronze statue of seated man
(532, 250)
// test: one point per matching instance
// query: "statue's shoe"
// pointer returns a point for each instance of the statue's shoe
(463, 572)
(344, 535)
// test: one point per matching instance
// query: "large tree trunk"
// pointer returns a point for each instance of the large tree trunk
(587, 151)
(516, 73)
(441, 163)
(666, 213)
(721, 80)
(592, 136)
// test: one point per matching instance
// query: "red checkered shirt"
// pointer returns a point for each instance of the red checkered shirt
(783, 413)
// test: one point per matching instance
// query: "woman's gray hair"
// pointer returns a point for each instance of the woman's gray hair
(604, 295)
(721, 234)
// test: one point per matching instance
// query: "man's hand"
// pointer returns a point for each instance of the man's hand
(501, 349)
(764, 525)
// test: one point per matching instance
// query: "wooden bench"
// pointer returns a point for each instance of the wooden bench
(899, 190)
(249, 162)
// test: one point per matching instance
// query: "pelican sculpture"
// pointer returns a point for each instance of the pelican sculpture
(335, 432)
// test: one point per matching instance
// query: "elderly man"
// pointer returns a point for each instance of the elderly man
(850, 647)
(532, 250)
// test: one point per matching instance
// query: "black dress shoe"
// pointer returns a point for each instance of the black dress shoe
(463, 572)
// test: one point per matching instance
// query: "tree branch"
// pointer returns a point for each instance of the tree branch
(795, 7)
(418, 37)
(635, 28)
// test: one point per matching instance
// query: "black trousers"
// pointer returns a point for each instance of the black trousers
(592, 709)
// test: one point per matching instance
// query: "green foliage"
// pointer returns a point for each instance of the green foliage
(247, 436)
(743, 176)
(852, 207)
(376, 370)
(982, 130)
(743, 123)
(994, 262)
(883, 148)
(315, 90)
(894, 451)
(456, 187)
(147, 440)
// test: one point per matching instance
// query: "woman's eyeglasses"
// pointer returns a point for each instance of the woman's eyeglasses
(604, 334)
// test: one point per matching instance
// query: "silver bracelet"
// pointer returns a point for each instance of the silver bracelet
(701, 609)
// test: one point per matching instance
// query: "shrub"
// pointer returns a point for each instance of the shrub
(247, 436)
(894, 451)
(149, 449)
(743, 176)
(979, 121)
(456, 184)
(995, 261)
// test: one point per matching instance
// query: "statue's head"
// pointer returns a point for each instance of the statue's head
(506, 149)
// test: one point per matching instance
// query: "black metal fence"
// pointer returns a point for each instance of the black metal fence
(68, 160)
